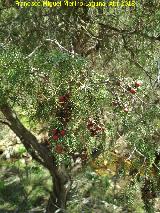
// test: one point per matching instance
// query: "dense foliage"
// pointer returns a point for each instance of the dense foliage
(89, 77)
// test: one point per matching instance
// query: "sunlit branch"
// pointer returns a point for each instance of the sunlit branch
(60, 46)
(33, 52)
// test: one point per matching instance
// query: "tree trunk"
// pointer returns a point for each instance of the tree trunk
(61, 186)
(41, 154)
(148, 195)
(55, 204)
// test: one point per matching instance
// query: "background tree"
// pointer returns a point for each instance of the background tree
(76, 68)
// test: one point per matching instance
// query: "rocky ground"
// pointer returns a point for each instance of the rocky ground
(24, 185)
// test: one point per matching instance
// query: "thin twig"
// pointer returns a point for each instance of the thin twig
(156, 166)
(33, 52)
(60, 46)
(131, 154)
(133, 32)
(134, 95)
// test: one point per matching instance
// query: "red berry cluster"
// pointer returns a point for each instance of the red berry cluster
(132, 90)
(59, 149)
(138, 83)
(64, 110)
(63, 99)
(135, 86)
(123, 86)
(93, 127)
(56, 135)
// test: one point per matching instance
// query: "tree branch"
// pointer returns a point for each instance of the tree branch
(36, 150)
(4, 122)
(133, 59)
(33, 52)
(60, 46)
(134, 32)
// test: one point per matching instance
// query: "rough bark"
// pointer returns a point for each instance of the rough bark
(58, 196)
(41, 154)
(148, 195)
